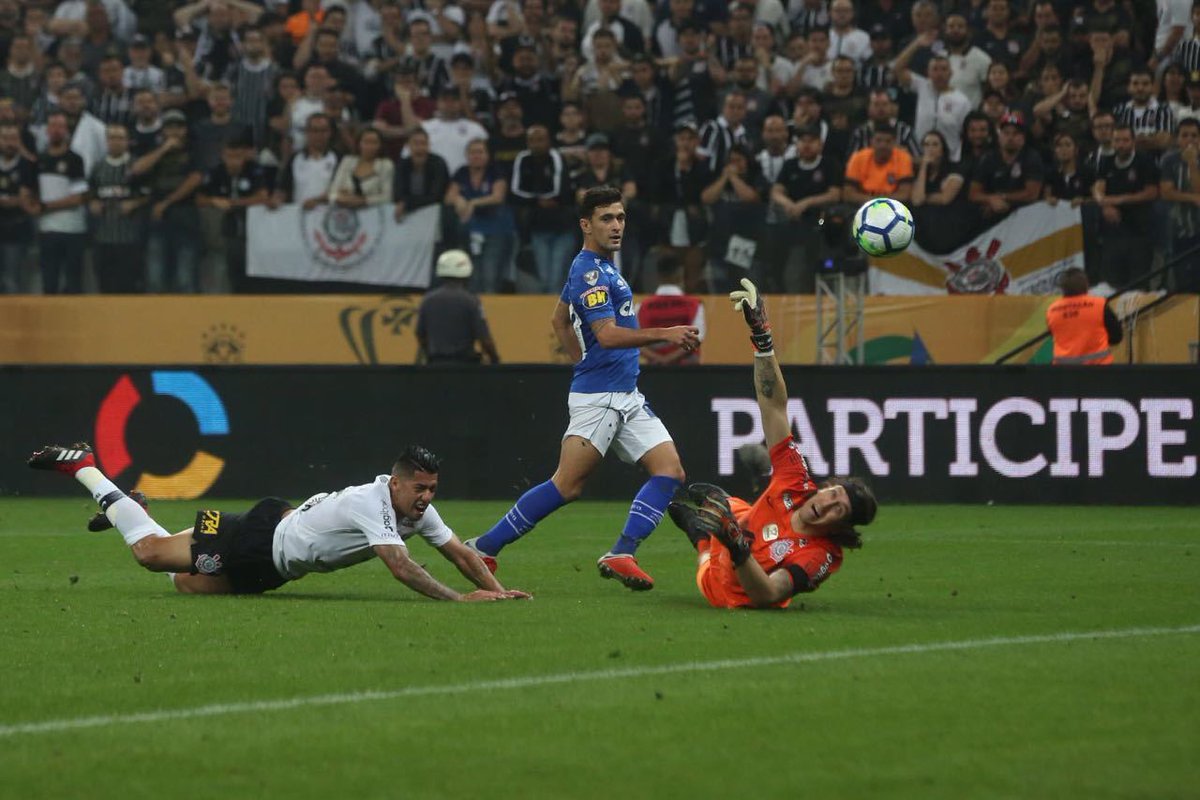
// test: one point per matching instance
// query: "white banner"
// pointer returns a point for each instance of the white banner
(331, 243)
(1022, 254)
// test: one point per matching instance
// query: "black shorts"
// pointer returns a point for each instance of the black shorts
(238, 546)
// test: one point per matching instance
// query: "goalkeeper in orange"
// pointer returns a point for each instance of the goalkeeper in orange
(790, 540)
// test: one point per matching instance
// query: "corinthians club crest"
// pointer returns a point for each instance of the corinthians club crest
(979, 273)
(342, 238)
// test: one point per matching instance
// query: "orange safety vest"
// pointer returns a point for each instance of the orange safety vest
(1077, 325)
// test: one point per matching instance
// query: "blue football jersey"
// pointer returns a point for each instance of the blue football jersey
(596, 290)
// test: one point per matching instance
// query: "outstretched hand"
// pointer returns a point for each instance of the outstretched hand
(748, 301)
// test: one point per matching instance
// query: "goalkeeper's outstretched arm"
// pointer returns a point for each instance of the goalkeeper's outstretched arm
(769, 387)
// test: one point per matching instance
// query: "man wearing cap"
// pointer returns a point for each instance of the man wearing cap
(536, 92)
(474, 92)
(450, 319)
(173, 250)
(1009, 176)
(876, 71)
(1083, 326)
(805, 187)
(449, 132)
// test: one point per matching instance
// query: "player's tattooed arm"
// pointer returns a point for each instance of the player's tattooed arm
(470, 565)
(560, 321)
(772, 399)
(412, 574)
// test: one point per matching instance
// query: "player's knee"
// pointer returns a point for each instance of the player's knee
(150, 556)
(571, 492)
(675, 472)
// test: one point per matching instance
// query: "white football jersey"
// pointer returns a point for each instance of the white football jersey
(333, 530)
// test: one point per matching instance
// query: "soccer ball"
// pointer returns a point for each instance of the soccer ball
(882, 227)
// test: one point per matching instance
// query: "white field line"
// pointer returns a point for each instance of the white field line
(533, 681)
(1002, 539)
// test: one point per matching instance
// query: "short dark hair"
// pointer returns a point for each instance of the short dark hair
(596, 197)
(1191, 122)
(863, 507)
(413, 459)
(1073, 281)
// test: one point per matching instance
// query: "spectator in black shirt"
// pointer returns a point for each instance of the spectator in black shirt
(536, 92)
(1180, 187)
(230, 188)
(998, 39)
(421, 177)
(1070, 180)
(542, 191)
(1010, 176)
(805, 188)
(173, 175)
(1126, 191)
(655, 91)
(145, 131)
(677, 207)
(18, 195)
(938, 201)
(736, 197)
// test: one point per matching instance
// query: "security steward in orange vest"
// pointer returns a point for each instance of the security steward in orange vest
(670, 306)
(1083, 326)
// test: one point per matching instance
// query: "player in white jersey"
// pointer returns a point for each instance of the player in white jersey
(273, 543)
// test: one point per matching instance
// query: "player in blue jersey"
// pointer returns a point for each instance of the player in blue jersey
(595, 321)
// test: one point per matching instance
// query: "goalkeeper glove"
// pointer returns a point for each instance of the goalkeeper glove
(715, 518)
(750, 303)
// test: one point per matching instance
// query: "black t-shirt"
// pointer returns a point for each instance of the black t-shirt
(997, 175)
(505, 150)
(1068, 187)
(14, 223)
(219, 183)
(1133, 176)
(800, 181)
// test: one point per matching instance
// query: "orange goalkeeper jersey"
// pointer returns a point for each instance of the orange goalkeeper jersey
(776, 546)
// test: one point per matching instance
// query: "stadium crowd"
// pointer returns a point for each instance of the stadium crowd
(135, 133)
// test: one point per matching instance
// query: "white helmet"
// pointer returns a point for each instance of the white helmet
(454, 264)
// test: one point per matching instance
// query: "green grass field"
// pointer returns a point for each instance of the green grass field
(964, 652)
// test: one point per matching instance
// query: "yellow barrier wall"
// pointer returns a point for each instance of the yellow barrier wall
(345, 329)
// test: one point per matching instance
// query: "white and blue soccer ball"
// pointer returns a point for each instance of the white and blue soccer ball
(882, 227)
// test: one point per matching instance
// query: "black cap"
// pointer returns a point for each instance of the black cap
(880, 31)
(506, 96)
(689, 25)
(462, 58)
(686, 125)
(525, 43)
(597, 141)
(808, 130)
(139, 40)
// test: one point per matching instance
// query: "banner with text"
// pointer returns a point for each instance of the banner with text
(1022, 254)
(331, 243)
(932, 434)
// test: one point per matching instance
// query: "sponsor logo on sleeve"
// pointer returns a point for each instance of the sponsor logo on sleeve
(591, 276)
(770, 533)
(594, 297)
(386, 512)
(210, 522)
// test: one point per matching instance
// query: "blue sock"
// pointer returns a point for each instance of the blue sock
(535, 505)
(646, 512)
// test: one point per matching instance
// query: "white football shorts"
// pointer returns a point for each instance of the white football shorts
(620, 419)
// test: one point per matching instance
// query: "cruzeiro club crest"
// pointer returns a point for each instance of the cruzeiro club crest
(342, 238)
